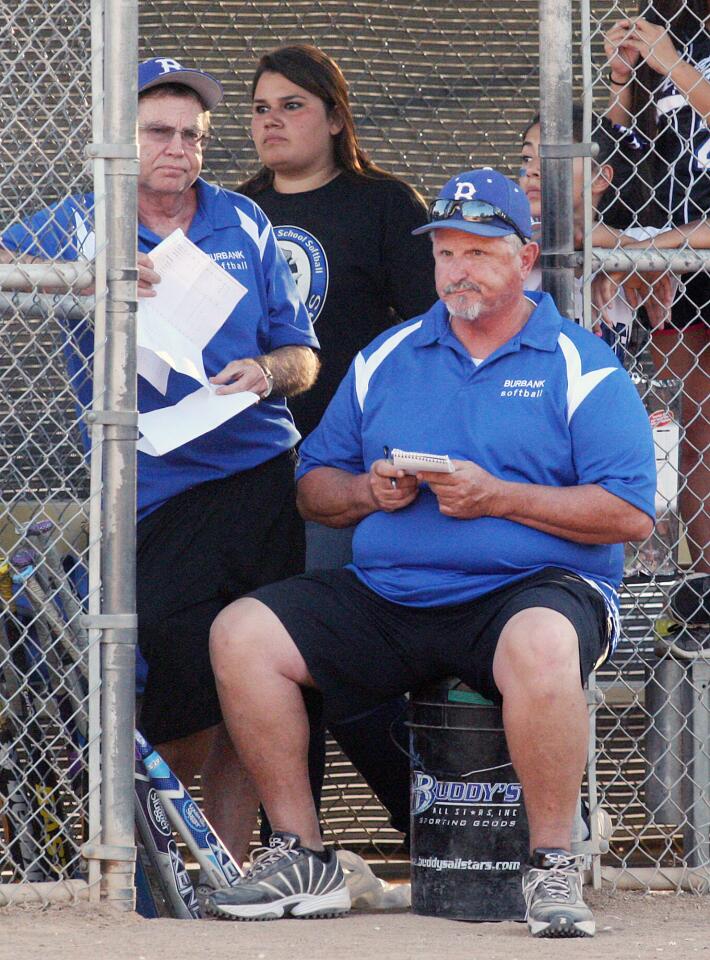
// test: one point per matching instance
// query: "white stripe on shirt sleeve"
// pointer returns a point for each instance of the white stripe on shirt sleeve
(579, 385)
(364, 369)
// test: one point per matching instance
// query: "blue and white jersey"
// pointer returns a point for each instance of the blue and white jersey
(237, 235)
(552, 406)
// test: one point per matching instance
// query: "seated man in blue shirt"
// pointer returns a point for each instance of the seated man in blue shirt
(216, 516)
(503, 573)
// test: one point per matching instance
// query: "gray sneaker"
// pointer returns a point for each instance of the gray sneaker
(284, 879)
(552, 887)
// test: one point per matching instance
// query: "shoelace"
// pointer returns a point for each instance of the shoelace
(555, 883)
(263, 857)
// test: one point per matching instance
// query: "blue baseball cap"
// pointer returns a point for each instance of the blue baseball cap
(504, 208)
(160, 70)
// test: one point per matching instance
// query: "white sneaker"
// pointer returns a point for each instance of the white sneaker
(552, 888)
(284, 879)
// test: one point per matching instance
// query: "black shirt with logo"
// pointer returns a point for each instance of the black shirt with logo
(357, 267)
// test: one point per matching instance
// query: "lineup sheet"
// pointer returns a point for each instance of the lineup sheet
(194, 298)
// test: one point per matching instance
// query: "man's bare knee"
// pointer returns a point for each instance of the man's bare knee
(537, 647)
(247, 634)
(235, 630)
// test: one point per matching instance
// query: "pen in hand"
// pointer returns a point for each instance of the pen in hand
(393, 480)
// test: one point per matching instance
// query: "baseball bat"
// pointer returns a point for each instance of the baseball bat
(217, 864)
(162, 854)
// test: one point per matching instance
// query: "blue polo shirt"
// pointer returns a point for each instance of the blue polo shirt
(552, 406)
(237, 235)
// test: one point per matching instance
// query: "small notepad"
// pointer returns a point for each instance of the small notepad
(412, 462)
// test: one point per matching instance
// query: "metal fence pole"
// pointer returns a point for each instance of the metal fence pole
(556, 94)
(96, 462)
(119, 416)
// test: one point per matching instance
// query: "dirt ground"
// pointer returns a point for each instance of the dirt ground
(629, 926)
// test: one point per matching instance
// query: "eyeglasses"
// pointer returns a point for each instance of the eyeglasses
(472, 211)
(190, 138)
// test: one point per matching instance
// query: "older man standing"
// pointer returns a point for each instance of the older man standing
(217, 515)
(502, 572)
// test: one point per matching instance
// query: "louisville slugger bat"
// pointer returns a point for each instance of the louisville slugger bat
(216, 863)
(156, 834)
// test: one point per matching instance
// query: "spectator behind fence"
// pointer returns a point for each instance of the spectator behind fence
(216, 516)
(345, 227)
(659, 73)
(503, 572)
(617, 193)
(343, 223)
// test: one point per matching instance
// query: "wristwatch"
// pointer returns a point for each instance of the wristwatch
(269, 378)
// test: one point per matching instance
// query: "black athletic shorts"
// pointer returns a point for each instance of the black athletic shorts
(362, 650)
(196, 554)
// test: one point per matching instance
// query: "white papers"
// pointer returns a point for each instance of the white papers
(159, 338)
(194, 298)
(195, 294)
(152, 368)
(199, 412)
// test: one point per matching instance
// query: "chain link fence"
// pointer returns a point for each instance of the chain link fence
(436, 87)
(48, 669)
(644, 90)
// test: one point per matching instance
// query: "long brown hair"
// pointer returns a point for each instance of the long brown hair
(309, 67)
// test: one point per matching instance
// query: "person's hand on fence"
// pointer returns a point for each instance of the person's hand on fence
(655, 292)
(621, 56)
(654, 45)
(147, 278)
(604, 288)
(602, 236)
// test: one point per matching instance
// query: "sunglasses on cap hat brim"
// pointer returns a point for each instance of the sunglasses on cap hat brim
(470, 211)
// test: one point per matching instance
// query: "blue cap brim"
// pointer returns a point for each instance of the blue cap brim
(205, 86)
(466, 226)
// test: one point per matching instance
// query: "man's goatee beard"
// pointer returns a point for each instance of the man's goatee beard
(467, 311)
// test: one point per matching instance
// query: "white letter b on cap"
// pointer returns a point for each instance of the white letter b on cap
(168, 65)
(464, 191)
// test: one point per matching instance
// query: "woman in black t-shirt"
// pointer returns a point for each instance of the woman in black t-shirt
(660, 84)
(343, 223)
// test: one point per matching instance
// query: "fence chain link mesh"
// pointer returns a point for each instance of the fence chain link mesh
(653, 745)
(44, 679)
(433, 93)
